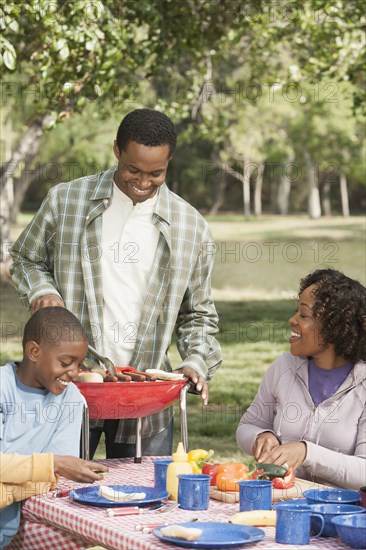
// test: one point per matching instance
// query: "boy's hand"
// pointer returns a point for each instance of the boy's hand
(78, 469)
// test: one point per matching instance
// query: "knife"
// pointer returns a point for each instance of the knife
(130, 510)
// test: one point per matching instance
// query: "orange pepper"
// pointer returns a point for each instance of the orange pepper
(234, 467)
(230, 474)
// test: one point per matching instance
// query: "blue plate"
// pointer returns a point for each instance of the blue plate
(215, 535)
(90, 495)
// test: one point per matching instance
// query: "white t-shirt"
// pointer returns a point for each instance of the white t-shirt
(129, 241)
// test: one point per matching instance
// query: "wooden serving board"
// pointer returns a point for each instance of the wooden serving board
(296, 491)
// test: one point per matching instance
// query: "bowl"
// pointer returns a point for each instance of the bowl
(362, 493)
(293, 502)
(331, 496)
(329, 511)
(352, 529)
(129, 399)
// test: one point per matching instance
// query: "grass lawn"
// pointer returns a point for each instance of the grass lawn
(258, 265)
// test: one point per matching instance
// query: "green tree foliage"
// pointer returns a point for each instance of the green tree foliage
(60, 57)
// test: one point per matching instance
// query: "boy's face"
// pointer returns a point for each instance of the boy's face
(53, 366)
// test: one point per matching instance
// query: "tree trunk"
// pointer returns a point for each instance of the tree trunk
(220, 177)
(25, 152)
(220, 188)
(344, 194)
(5, 215)
(246, 188)
(258, 190)
(312, 180)
(327, 209)
(283, 191)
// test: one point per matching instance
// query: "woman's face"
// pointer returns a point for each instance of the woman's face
(305, 339)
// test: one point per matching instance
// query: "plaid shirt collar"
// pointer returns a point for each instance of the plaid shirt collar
(104, 189)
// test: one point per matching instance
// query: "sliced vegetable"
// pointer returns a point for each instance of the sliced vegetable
(285, 482)
(256, 474)
(270, 471)
(281, 478)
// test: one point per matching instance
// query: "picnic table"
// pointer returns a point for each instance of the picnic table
(50, 523)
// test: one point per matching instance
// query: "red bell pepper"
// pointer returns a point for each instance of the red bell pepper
(256, 474)
(284, 482)
(211, 470)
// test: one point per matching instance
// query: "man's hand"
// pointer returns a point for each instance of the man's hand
(78, 469)
(48, 300)
(199, 381)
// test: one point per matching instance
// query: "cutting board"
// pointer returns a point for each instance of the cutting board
(296, 491)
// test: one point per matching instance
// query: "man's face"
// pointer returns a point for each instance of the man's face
(141, 170)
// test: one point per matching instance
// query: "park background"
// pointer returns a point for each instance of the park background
(268, 99)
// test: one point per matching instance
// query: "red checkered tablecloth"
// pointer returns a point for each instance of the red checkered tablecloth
(50, 523)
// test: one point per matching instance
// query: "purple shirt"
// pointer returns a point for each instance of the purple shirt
(323, 383)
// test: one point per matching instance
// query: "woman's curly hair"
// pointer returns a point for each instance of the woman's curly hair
(340, 305)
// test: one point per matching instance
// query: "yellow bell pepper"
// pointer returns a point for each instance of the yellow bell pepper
(197, 458)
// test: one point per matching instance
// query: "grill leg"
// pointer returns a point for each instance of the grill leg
(85, 453)
(183, 417)
(138, 441)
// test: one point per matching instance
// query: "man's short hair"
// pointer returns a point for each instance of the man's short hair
(52, 325)
(147, 127)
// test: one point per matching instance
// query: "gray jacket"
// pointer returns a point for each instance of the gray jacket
(334, 431)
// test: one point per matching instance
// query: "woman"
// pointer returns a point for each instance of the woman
(309, 412)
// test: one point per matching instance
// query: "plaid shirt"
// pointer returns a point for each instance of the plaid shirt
(60, 251)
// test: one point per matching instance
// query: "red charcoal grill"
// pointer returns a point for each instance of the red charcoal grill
(108, 400)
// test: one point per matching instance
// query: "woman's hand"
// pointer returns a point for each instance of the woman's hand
(78, 469)
(263, 445)
(289, 454)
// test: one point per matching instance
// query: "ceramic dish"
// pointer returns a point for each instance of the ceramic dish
(329, 511)
(352, 530)
(216, 535)
(90, 495)
(332, 496)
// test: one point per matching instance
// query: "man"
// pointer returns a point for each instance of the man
(132, 261)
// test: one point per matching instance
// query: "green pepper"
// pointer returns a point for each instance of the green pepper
(271, 471)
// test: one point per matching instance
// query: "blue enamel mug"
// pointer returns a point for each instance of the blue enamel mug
(293, 523)
(255, 494)
(160, 469)
(194, 491)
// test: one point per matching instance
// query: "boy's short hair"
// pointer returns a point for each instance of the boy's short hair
(147, 127)
(53, 325)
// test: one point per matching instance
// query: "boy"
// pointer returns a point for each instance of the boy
(40, 410)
